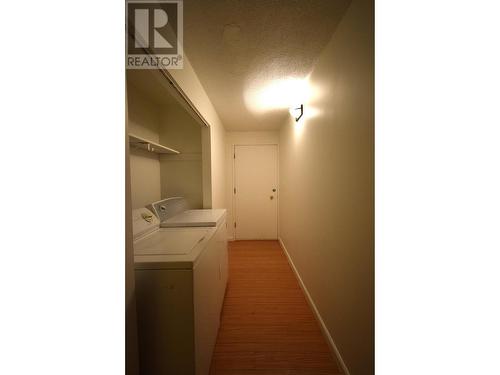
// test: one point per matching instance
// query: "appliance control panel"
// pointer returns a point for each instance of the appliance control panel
(169, 207)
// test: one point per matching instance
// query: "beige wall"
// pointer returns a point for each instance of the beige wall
(213, 174)
(241, 138)
(181, 175)
(327, 187)
(144, 121)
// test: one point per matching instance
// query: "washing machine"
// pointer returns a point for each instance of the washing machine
(173, 213)
(178, 294)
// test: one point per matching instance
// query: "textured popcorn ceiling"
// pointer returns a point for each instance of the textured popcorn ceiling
(238, 48)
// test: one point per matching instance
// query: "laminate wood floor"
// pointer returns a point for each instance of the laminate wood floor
(267, 327)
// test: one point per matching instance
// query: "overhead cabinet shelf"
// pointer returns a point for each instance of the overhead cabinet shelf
(145, 144)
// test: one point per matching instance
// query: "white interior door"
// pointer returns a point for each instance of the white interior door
(256, 192)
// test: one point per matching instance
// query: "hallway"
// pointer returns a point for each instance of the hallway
(267, 326)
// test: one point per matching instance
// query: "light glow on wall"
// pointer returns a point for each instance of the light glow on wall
(277, 95)
(285, 95)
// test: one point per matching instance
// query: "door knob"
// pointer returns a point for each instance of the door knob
(271, 197)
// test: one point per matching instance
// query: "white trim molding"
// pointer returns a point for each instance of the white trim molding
(310, 301)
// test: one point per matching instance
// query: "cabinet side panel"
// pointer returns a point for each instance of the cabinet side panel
(221, 236)
(165, 321)
(206, 305)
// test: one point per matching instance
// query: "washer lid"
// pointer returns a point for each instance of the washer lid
(179, 241)
(195, 218)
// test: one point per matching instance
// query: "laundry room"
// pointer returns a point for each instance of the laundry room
(250, 187)
(241, 192)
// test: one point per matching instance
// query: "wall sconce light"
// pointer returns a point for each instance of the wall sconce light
(297, 112)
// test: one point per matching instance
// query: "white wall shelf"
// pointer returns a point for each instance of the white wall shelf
(145, 144)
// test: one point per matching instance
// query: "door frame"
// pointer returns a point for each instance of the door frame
(233, 205)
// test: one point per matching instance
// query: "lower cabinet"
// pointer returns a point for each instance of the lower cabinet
(179, 312)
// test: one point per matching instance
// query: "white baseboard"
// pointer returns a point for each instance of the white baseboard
(324, 330)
